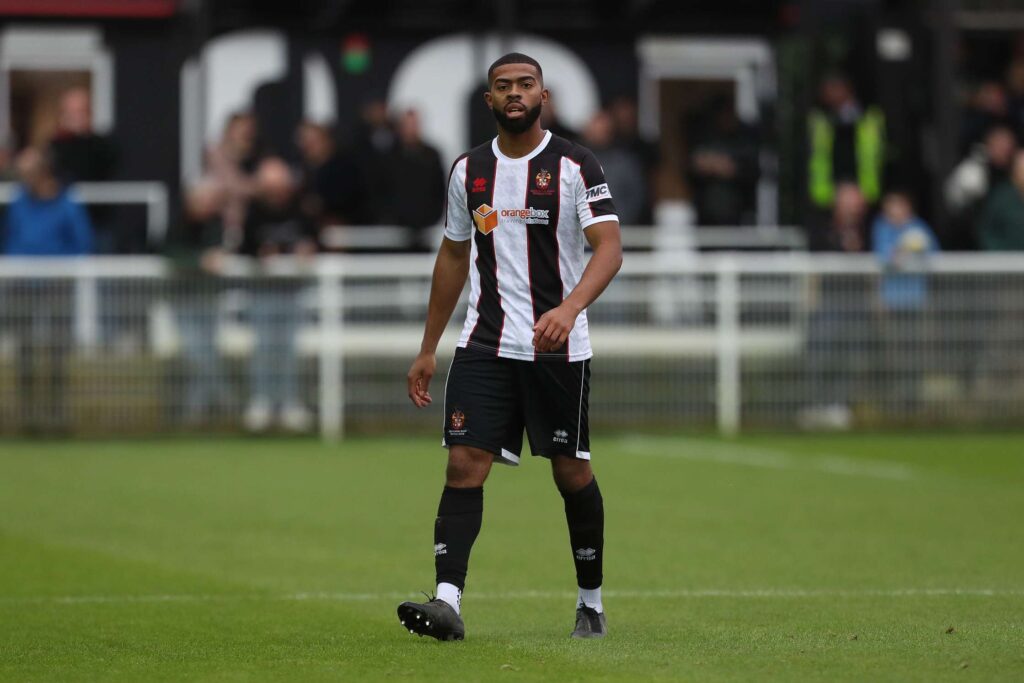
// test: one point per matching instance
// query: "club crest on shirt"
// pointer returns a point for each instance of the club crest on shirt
(542, 183)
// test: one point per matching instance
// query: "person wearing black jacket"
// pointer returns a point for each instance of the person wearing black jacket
(275, 225)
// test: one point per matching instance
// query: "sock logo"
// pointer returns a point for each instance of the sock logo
(440, 549)
(586, 554)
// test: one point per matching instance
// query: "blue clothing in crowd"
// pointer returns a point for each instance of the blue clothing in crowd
(912, 239)
(46, 227)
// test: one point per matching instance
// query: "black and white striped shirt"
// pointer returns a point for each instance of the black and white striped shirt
(526, 217)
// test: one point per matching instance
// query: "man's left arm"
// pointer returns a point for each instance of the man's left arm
(552, 329)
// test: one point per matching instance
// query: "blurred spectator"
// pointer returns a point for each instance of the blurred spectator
(847, 145)
(79, 152)
(622, 168)
(844, 229)
(839, 320)
(549, 120)
(231, 164)
(373, 142)
(1001, 225)
(627, 135)
(988, 107)
(43, 220)
(902, 242)
(416, 180)
(974, 179)
(900, 239)
(197, 252)
(332, 187)
(627, 132)
(276, 225)
(723, 169)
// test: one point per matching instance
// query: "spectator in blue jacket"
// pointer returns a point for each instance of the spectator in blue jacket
(902, 242)
(42, 221)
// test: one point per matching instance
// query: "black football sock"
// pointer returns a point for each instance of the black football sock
(458, 522)
(584, 511)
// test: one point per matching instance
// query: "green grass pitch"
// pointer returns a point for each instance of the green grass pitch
(825, 558)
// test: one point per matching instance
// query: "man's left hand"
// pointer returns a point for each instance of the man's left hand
(552, 329)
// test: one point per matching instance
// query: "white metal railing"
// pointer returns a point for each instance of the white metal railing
(741, 311)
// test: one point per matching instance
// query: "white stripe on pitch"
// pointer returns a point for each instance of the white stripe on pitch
(751, 456)
(669, 593)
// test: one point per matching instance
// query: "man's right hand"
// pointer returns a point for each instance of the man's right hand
(420, 374)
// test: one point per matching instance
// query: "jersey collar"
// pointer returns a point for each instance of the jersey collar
(536, 150)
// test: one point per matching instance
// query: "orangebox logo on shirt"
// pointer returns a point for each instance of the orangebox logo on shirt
(530, 216)
(486, 218)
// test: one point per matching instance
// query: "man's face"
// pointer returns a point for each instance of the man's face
(76, 112)
(516, 96)
(1000, 146)
(31, 168)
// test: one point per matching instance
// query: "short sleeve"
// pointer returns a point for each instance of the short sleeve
(458, 226)
(593, 196)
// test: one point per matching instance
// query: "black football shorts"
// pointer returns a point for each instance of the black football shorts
(488, 401)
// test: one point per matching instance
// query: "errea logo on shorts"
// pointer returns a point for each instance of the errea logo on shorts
(598, 192)
(561, 436)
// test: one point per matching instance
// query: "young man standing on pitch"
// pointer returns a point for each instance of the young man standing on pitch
(519, 208)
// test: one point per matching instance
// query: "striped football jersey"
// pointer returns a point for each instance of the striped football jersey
(526, 218)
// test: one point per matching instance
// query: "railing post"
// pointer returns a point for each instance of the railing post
(332, 383)
(727, 320)
(86, 311)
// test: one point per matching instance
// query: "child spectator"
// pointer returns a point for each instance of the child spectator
(900, 239)
(43, 220)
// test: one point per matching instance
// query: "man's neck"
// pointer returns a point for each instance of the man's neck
(515, 145)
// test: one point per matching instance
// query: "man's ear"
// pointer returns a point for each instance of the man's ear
(488, 100)
(544, 94)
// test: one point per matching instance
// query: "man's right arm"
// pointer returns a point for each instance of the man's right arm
(450, 272)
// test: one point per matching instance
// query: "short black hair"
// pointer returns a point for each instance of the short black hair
(514, 58)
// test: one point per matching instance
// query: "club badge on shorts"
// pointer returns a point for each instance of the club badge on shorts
(457, 423)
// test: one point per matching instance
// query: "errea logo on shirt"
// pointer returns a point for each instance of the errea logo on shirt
(598, 192)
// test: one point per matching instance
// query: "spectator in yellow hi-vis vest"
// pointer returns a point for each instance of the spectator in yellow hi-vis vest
(847, 144)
